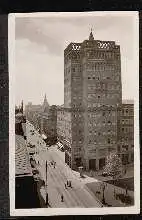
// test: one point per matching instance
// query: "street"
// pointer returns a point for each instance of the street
(78, 195)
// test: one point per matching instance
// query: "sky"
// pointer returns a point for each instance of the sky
(39, 52)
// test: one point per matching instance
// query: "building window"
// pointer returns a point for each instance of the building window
(118, 148)
(89, 141)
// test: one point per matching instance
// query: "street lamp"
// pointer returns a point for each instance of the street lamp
(46, 186)
(80, 171)
(103, 185)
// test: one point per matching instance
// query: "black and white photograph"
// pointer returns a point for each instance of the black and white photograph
(74, 113)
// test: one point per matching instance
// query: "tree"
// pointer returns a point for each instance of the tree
(113, 165)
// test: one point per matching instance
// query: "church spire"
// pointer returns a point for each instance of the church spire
(45, 99)
(45, 104)
(22, 107)
(91, 37)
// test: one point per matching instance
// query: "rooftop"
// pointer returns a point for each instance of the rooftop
(22, 162)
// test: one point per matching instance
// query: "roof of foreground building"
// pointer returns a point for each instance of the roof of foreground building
(22, 162)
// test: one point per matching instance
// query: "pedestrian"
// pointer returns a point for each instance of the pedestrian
(126, 191)
(70, 184)
(65, 186)
(62, 198)
(67, 182)
(54, 164)
(114, 193)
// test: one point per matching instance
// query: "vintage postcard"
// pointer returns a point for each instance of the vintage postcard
(74, 113)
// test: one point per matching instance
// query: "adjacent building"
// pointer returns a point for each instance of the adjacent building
(60, 124)
(126, 131)
(26, 195)
(88, 124)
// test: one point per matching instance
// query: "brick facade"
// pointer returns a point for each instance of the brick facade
(92, 93)
(126, 132)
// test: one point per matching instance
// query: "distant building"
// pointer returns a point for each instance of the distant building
(92, 92)
(34, 113)
(49, 124)
(126, 131)
(44, 119)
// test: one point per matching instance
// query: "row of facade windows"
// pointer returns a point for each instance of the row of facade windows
(126, 147)
(102, 66)
(99, 114)
(128, 129)
(103, 55)
(100, 105)
(127, 111)
(77, 97)
(108, 141)
(127, 121)
(100, 124)
(96, 67)
(91, 105)
(104, 86)
(125, 139)
(116, 78)
(104, 133)
(96, 96)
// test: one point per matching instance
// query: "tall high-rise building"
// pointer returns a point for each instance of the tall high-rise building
(92, 93)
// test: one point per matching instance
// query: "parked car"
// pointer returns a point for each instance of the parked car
(104, 174)
(60, 147)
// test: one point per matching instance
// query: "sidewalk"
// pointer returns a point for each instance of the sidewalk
(110, 191)
(52, 193)
(98, 174)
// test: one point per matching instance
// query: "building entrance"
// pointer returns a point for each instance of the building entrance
(101, 163)
(92, 164)
(125, 159)
(78, 161)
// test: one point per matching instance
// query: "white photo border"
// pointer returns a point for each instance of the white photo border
(70, 211)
